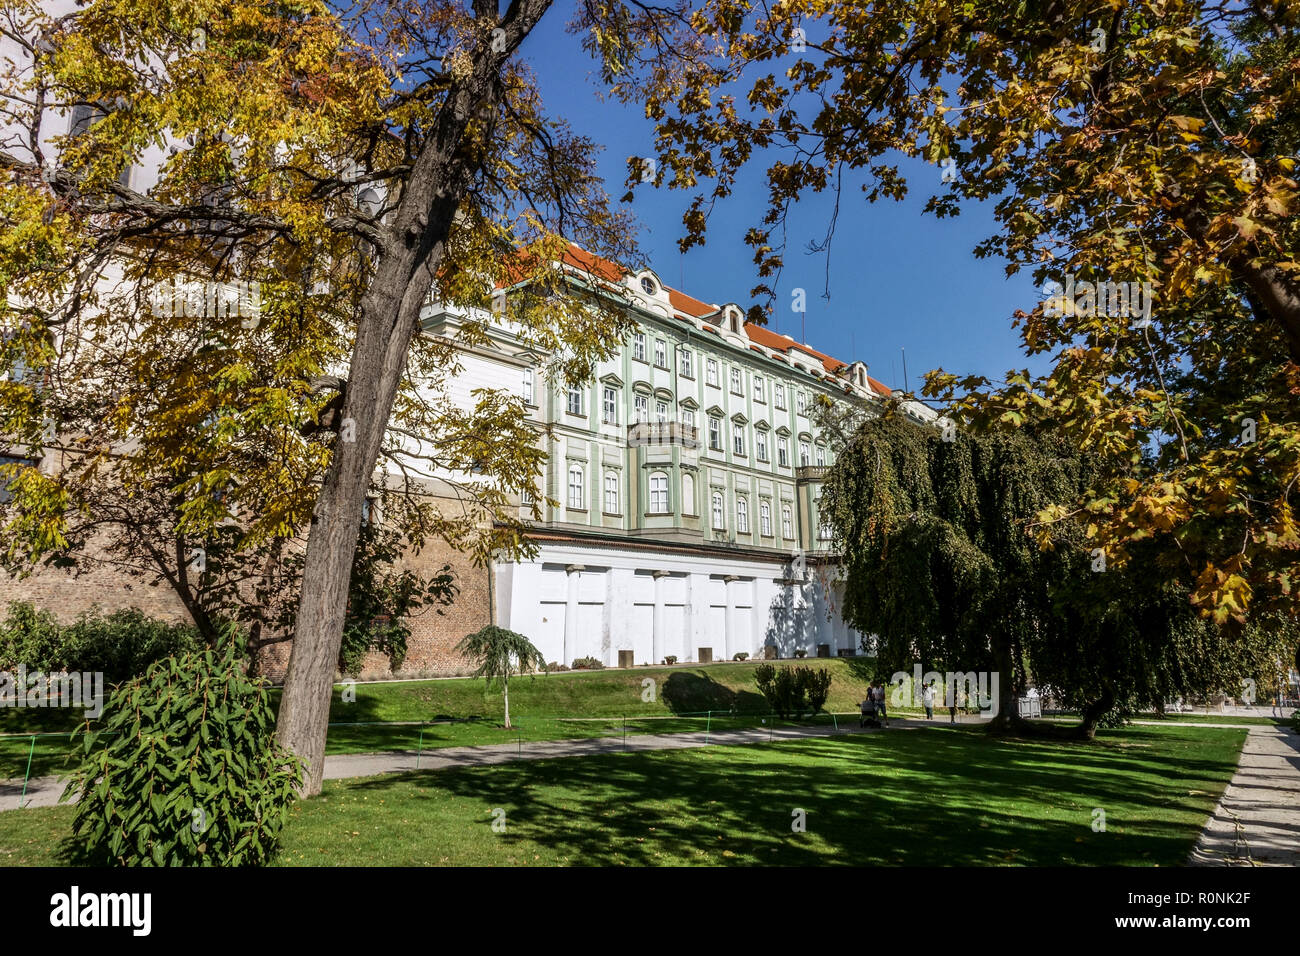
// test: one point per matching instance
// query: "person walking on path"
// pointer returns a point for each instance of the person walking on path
(952, 703)
(880, 703)
(927, 698)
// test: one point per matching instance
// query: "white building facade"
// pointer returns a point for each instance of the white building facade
(680, 513)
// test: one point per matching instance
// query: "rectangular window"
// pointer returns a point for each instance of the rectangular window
(576, 497)
(715, 434)
(661, 353)
(688, 418)
(742, 516)
(782, 453)
(760, 446)
(738, 438)
(779, 396)
(758, 389)
(642, 404)
(765, 518)
(821, 456)
(685, 363)
(736, 385)
(638, 346)
(804, 454)
(711, 372)
(659, 494)
(575, 401)
(719, 516)
(611, 406)
(661, 412)
(787, 523)
(801, 403)
(528, 386)
(611, 493)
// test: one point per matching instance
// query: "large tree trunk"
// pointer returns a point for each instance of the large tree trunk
(1092, 714)
(420, 225)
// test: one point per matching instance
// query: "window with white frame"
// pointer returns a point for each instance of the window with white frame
(658, 493)
(641, 404)
(736, 382)
(782, 452)
(742, 515)
(711, 372)
(685, 363)
(805, 454)
(575, 400)
(661, 353)
(638, 346)
(715, 433)
(760, 445)
(527, 389)
(778, 396)
(688, 418)
(719, 515)
(787, 522)
(801, 403)
(688, 494)
(611, 492)
(661, 412)
(759, 394)
(611, 405)
(821, 456)
(738, 438)
(576, 495)
(824, 530)
(765, 518)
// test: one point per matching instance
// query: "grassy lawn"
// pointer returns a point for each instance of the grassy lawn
(682, 697)
(934, 796)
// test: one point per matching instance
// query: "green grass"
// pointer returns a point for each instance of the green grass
(933, 796)
(682, 696)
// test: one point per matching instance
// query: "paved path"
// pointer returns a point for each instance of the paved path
(45, 791)
(1257, 821)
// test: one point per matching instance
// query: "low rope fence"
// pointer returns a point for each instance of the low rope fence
(526, 728)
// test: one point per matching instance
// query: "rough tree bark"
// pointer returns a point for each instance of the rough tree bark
(389, 316)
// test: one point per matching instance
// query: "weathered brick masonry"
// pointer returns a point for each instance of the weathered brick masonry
(430, 648)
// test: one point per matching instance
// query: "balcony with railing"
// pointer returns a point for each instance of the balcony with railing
(663, 433)
(812, 472)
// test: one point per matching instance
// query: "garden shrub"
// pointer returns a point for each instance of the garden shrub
(670, 659)
(185, 770)
(121, 645)
(588, 664)
(742, 656)
(793, 690)
(29, 637)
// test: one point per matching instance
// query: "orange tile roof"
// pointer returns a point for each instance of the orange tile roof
(696, 308)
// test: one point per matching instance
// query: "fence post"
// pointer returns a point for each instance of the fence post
(625, 731)
(420, 749)
(22, 801)
(708, 727)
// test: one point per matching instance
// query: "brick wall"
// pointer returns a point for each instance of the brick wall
(430, 647)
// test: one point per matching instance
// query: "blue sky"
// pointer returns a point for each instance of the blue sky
(898, 279)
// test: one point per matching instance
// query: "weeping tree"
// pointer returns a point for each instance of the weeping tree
(500, 654)
(949, 565)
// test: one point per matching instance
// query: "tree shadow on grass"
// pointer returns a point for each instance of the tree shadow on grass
(694, 692)
(917, 798)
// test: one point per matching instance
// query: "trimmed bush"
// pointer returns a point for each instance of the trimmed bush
(793, 690)
(742, 656)
(588, 664)
(186, 770)
(670, 659)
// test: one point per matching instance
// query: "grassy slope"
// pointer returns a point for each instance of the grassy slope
(535, 703)
(933, 796)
